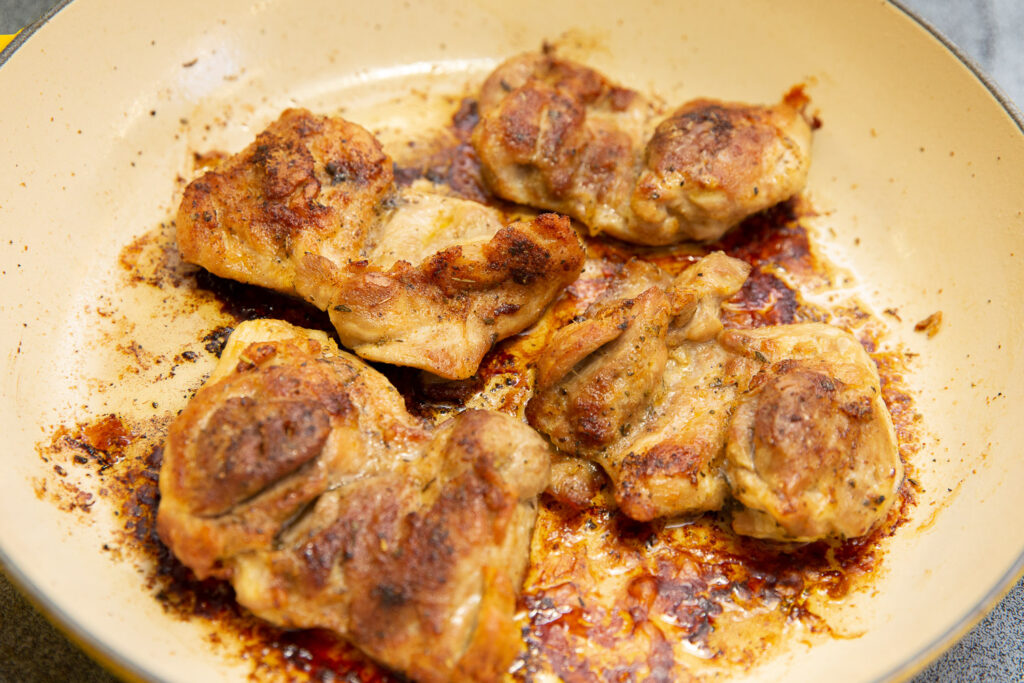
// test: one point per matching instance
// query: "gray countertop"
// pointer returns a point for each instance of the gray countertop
(991, 32)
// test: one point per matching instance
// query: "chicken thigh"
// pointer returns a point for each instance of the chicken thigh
(558, 135)
(408, 277)
(297, 474)
(811, 447)
(682, 415)
(640, 387)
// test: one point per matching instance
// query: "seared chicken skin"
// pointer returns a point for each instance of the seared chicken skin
(409, 278)
(297, 474)
(558, 135)
(682, 415)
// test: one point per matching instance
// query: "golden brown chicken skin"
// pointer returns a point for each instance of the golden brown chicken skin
(297, 474)
(558, 135)
(410, 278)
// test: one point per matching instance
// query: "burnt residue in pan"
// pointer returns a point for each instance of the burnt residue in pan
(449, 158)
(248, 302)
(604, 593)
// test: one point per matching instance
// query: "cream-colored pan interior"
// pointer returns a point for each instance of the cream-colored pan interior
(917, 170)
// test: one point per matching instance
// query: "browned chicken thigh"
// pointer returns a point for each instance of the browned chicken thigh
(409, 278)
(297, 474)
(637, 387)
(811, 448)
(681, 415)
(558, 135)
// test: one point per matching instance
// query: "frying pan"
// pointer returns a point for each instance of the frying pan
(916, 177)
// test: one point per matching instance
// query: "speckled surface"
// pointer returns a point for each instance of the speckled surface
(991, 32)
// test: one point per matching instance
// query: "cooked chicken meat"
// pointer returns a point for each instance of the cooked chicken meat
(680, 414)
(409, 278)
(598, 372)
(297, 474)
(307, 184)
(636, 387)
(559, 135)
(811, 448)
(579, 483)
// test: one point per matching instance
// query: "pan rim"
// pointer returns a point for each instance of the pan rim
(122, 666)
